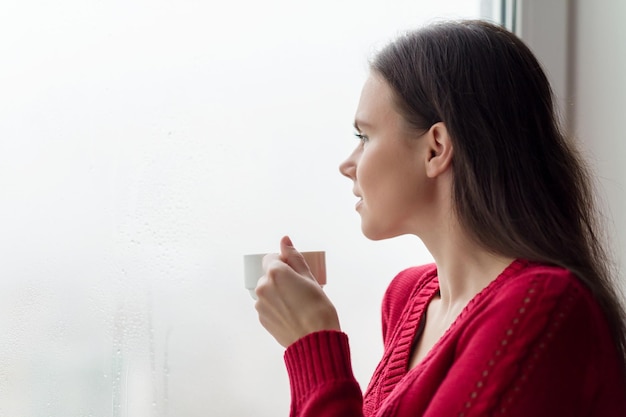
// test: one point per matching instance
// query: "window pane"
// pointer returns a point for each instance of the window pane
(148, 145)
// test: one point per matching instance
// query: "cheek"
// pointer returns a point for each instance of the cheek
(368, 169)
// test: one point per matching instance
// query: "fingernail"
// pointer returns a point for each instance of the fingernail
(288, 241)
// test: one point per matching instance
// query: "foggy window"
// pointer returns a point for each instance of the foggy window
(146, 146)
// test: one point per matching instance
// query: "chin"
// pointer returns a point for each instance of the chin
(377, 235)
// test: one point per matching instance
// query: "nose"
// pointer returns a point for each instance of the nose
(348, 167)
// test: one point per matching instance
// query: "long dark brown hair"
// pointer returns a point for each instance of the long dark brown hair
(521, 188)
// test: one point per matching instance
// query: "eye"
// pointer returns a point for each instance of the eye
(363, 138)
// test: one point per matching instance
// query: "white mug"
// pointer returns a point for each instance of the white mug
(253, 268)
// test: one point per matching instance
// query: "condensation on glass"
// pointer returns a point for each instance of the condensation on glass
(146, 147)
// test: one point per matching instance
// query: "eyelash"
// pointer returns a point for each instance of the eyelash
(363, 138)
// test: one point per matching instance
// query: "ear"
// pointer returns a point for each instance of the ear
(440, 151)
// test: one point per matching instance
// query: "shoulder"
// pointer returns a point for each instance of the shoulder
(537, 289)
(546, 310)
(536, 294)
(523, 275)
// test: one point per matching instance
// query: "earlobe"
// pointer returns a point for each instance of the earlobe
(440, 150)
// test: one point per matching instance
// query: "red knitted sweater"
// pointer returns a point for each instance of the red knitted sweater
(534, 342)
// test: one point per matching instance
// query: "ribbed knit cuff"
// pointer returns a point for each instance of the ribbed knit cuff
(315, 360)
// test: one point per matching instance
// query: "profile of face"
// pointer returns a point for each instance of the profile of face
(389, 167)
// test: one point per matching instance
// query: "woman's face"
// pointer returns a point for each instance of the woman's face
(387, 166)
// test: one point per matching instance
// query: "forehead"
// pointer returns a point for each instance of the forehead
(376, 103)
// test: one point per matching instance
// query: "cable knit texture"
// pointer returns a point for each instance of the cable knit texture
(534, 342)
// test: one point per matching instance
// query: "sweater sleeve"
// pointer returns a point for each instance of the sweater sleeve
(321, 378)
(319, 367)
(541, 349)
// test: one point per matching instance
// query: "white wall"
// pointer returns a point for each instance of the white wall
(598, 92)
(582, 46)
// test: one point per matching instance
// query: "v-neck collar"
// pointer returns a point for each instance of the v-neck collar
(413, 318)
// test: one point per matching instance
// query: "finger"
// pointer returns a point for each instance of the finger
(261, 289)
(269, 259)
(290, 255)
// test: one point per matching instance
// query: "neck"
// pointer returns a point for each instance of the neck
(463, 267)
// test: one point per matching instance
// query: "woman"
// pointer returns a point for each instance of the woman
(460, 146)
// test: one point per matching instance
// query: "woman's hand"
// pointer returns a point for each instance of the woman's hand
(291, 304)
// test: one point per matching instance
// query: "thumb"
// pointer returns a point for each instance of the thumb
(290, 255)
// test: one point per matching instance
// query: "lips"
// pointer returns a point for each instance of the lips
(358, 203)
